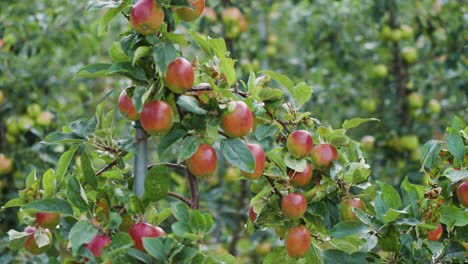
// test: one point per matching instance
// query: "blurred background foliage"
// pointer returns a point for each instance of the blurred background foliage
(403, 62)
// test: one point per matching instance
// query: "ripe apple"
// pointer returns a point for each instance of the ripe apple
(237, 120)
(47, 220)
(462, 193)
(369, 105)
(410, 55)
(179, 76)
(140, 230)
(96, 245)
(434, 106)
(210, 14)
(6, 164)
(252, 214)
(44, 119)
(346, 208)
(368, 142)
(146, 17)
(156, 117)
(323, 155)
(299, 179)
(33, 110)
(299, 143)
(380, 71)
(189, 14)
(436, 234)
(203, 162)
(31, 245)
(126, 106)
(260, 159)
(297, 241)
(294, 205)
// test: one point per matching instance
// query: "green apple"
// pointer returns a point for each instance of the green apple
(415, 100)
(369, 105)
(434, 106)
(11, 139)
(25, 123)
(385, 33)
(34, 110)
(409, 142)
(407, 32)
(44, 118)
(379, 71)
(410, 55)
(368, 142)
(12, 126)
(396, 35)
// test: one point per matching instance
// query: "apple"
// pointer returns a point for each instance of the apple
(346, 208)
(189, 14)
(156, 117)
(299, 179)
(260, 159)
(6, 164)
(44, 118)
(25, 123)
(323, 155)
(294, 205)
(299, 143)
(407, 32)
(462, 193)
(210, 14)
(380, 71)
(237, 119)
(126, 106)
(140, 230)
(146, 17)
(385, 33)
(2, 97)
(179, 76)
(369, 105)
(231, 175)
(234, 22)
(203, 162)
(252, 214)
(33, 110)
(396, 35)
(409, 142)
(436, 234)
(368, 142)
(31, 245)
(410, 55)
(12, 126)
(96, 245)
(263, 248)
(47, 220)
(297, 241)
(434, 106)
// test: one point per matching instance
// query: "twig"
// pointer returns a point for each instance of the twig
(170, 165)
(279, 121)
(272, 183)
(110, 165)
(180, 197)
(224, 134)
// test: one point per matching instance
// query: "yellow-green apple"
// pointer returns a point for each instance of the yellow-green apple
(299, 143)
(346, 208)
(190, 14)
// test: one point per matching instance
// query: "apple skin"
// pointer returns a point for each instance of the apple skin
(203, 162)
(140, 230)
(260, 159)
(407, 32)
(294, 205)
(146, 17)
(462, 193)
(410, 55)
(96, 245)
(6, 164)
(31, 246)
(187, 14)
(434, 106)
(210, 14)
(436, 234)
(44, 118)
(239, 122)
(33, 110)
(156, 117)
(252, 214)
(346, 208)
(380, 71)
(47, 220)
(179, 76)
(415, 100)
(323, 155)
(297, 241)
(299, 143)
(299, 179)
(369, 105)
(126, 106)
(409, 142)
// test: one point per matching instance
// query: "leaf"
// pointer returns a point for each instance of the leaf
(62, 137)
(31, 178)
(275, 155)
(227, 67)
(74, 194)
(169, 139)
(301, 93)
(63, 164)
(238, 154)
(298, 165)
(202, 42)
(163, 54)
(411, 197)
(17, 239)
(157, 183)
(455, 144)
(190, 104)
(348, 228)
(95, 5)
(280, 78)
(430, 153)
(155, 247)
(48, 183)
(13, 203)
(116, 52)
(187, 148)
(270, 94)
(108, 16)
(141, 52)
(88, 171)
(219, 47)
(456, 175)
(82, 232)
(120, 244)
(355, 122)
(453, 216)
(93, 70)
(49, 205)
(128, 70)
(265, 131)
(42, 239)
(392, 214)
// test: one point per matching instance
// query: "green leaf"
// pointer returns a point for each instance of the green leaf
(163, 54)
(49, 205)
(31, 178)
(270, 94)
(63, 164)
(455, 144)
(95, 5)
(108, 16)
(13, 203)
(275, 155)
(265, 131)
(238, 154)
(411, 196)
(355, 122)
(430, 153)
(169, 139)
(227, 67)
(392, 215)
(93, 70)
(126, 69)
(301, 93)
(155, 247)
(116, 52)
(219, 47)
(157, 183)
(62, 137)
(141, 52)
(42, 239)
(120, 244)
(202, 42)
(140, 94)
(81, 233)
(200, 223)
(88, 171)
(76, 195)
(48, 183)
(386, 199)
(456, 175)
(453, 216)
(280, 78)
(298, 165)
(17, 239)
(161, 216)
(187, 148)
(348, 228)
(190, 104)
(457, 123)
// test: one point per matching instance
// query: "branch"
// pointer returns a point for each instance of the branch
(272, 183)
(170, 165)
(112, 164)
(279, 121)
(195, 195)
(180, 197)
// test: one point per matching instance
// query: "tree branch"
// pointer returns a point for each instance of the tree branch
(170, 165)
(283, 124)
(180, 197)
(272, 183)
(195, 195)
(112, 164)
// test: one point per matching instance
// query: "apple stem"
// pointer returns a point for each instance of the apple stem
(141, 160)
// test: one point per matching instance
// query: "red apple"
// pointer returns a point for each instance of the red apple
(179, 76)
(210, 14)
(323, 155)
(96, 245)
(31, 245)
(189, 14)
(299, 179)
(156, 117)
(346, 208)
(146, 17)
(126, 106)
(436, 234)
(140, 230)
(252, 214)
(297, 241)
(237, 120)
(6, 164)
(294, 205)
(47, 220)
(462, 193)
(260, 159)
(299, 143)
(203, 162)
